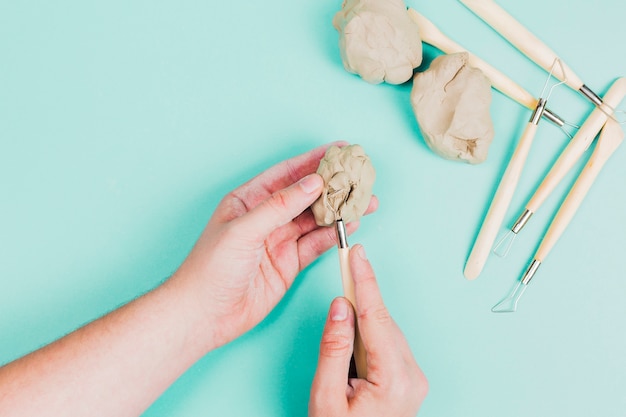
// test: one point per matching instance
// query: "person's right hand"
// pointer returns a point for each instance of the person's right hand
(395, 385)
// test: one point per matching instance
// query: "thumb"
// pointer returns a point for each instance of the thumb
(283, 206)
(331, 377)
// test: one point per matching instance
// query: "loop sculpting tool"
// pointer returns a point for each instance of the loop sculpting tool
(360, 359)
(574, 150)
(504, 193)
(611, 137)
(527, 43)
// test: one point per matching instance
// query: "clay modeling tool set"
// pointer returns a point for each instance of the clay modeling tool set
(601, 118)
(574, 150)
(611, 137)
(506, 188)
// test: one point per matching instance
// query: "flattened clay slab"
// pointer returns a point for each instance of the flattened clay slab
(349, 178)
(451, 104)
(378, 40)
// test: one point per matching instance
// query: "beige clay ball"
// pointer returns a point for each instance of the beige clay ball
(451, 103)
(378, 40)
(349, 178)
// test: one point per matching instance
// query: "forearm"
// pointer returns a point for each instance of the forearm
(115, 366)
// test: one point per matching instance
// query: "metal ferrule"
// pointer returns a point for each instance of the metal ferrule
(342, 235)
(553, 117)
(521, 221)
(536, 116)
(530, 272)
(593, 97)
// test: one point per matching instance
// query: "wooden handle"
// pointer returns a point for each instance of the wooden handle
(430, 34)
(499, 205)
(578, 145)
(610, 139)
(522, 39)
(348, 292)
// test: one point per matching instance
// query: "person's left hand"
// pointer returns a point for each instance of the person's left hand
(260, 237)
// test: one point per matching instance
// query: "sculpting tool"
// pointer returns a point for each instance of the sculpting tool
(574, 150)
(527, 43)
(431, 35)
(504, 193)
(348, 291)
(611, 137)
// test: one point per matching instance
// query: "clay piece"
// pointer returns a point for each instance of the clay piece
(378, 40)
(349, 178)
(451, 104)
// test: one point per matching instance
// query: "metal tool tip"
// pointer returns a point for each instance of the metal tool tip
(342, 234)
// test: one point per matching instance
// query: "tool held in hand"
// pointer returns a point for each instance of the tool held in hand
(611, 137)
(348, 292)
(348, 176)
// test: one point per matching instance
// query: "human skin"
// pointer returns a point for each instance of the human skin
(395, 385)
(259, 238)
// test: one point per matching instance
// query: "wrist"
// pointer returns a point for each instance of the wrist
(203, 329)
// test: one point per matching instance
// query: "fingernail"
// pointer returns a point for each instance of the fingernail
(310, 183)
(339, 310)
(360, 250)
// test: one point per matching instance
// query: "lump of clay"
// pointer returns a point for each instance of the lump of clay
(451, 104)
(378, 40)
(348, 178)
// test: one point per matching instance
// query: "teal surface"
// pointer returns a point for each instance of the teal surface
(122, 124)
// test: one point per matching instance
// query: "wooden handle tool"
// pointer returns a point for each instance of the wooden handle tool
(574, 150)
(527, 43)
(611, 137)
(521, 38)
(578, 145)
(430, 34)
(502, 198)
(360, 359)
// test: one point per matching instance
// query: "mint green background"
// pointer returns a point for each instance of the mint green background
(122, 124)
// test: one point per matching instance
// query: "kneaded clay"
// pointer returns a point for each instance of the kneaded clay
(451, 104)
(378, 40)
(348, 181)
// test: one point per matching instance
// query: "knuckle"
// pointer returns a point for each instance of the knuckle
(336, 344)
(377, 313)
(278, 201)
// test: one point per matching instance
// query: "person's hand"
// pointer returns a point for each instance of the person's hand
(395, 385)
(260, 237)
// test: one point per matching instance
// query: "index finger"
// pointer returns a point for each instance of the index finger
(377, 328)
